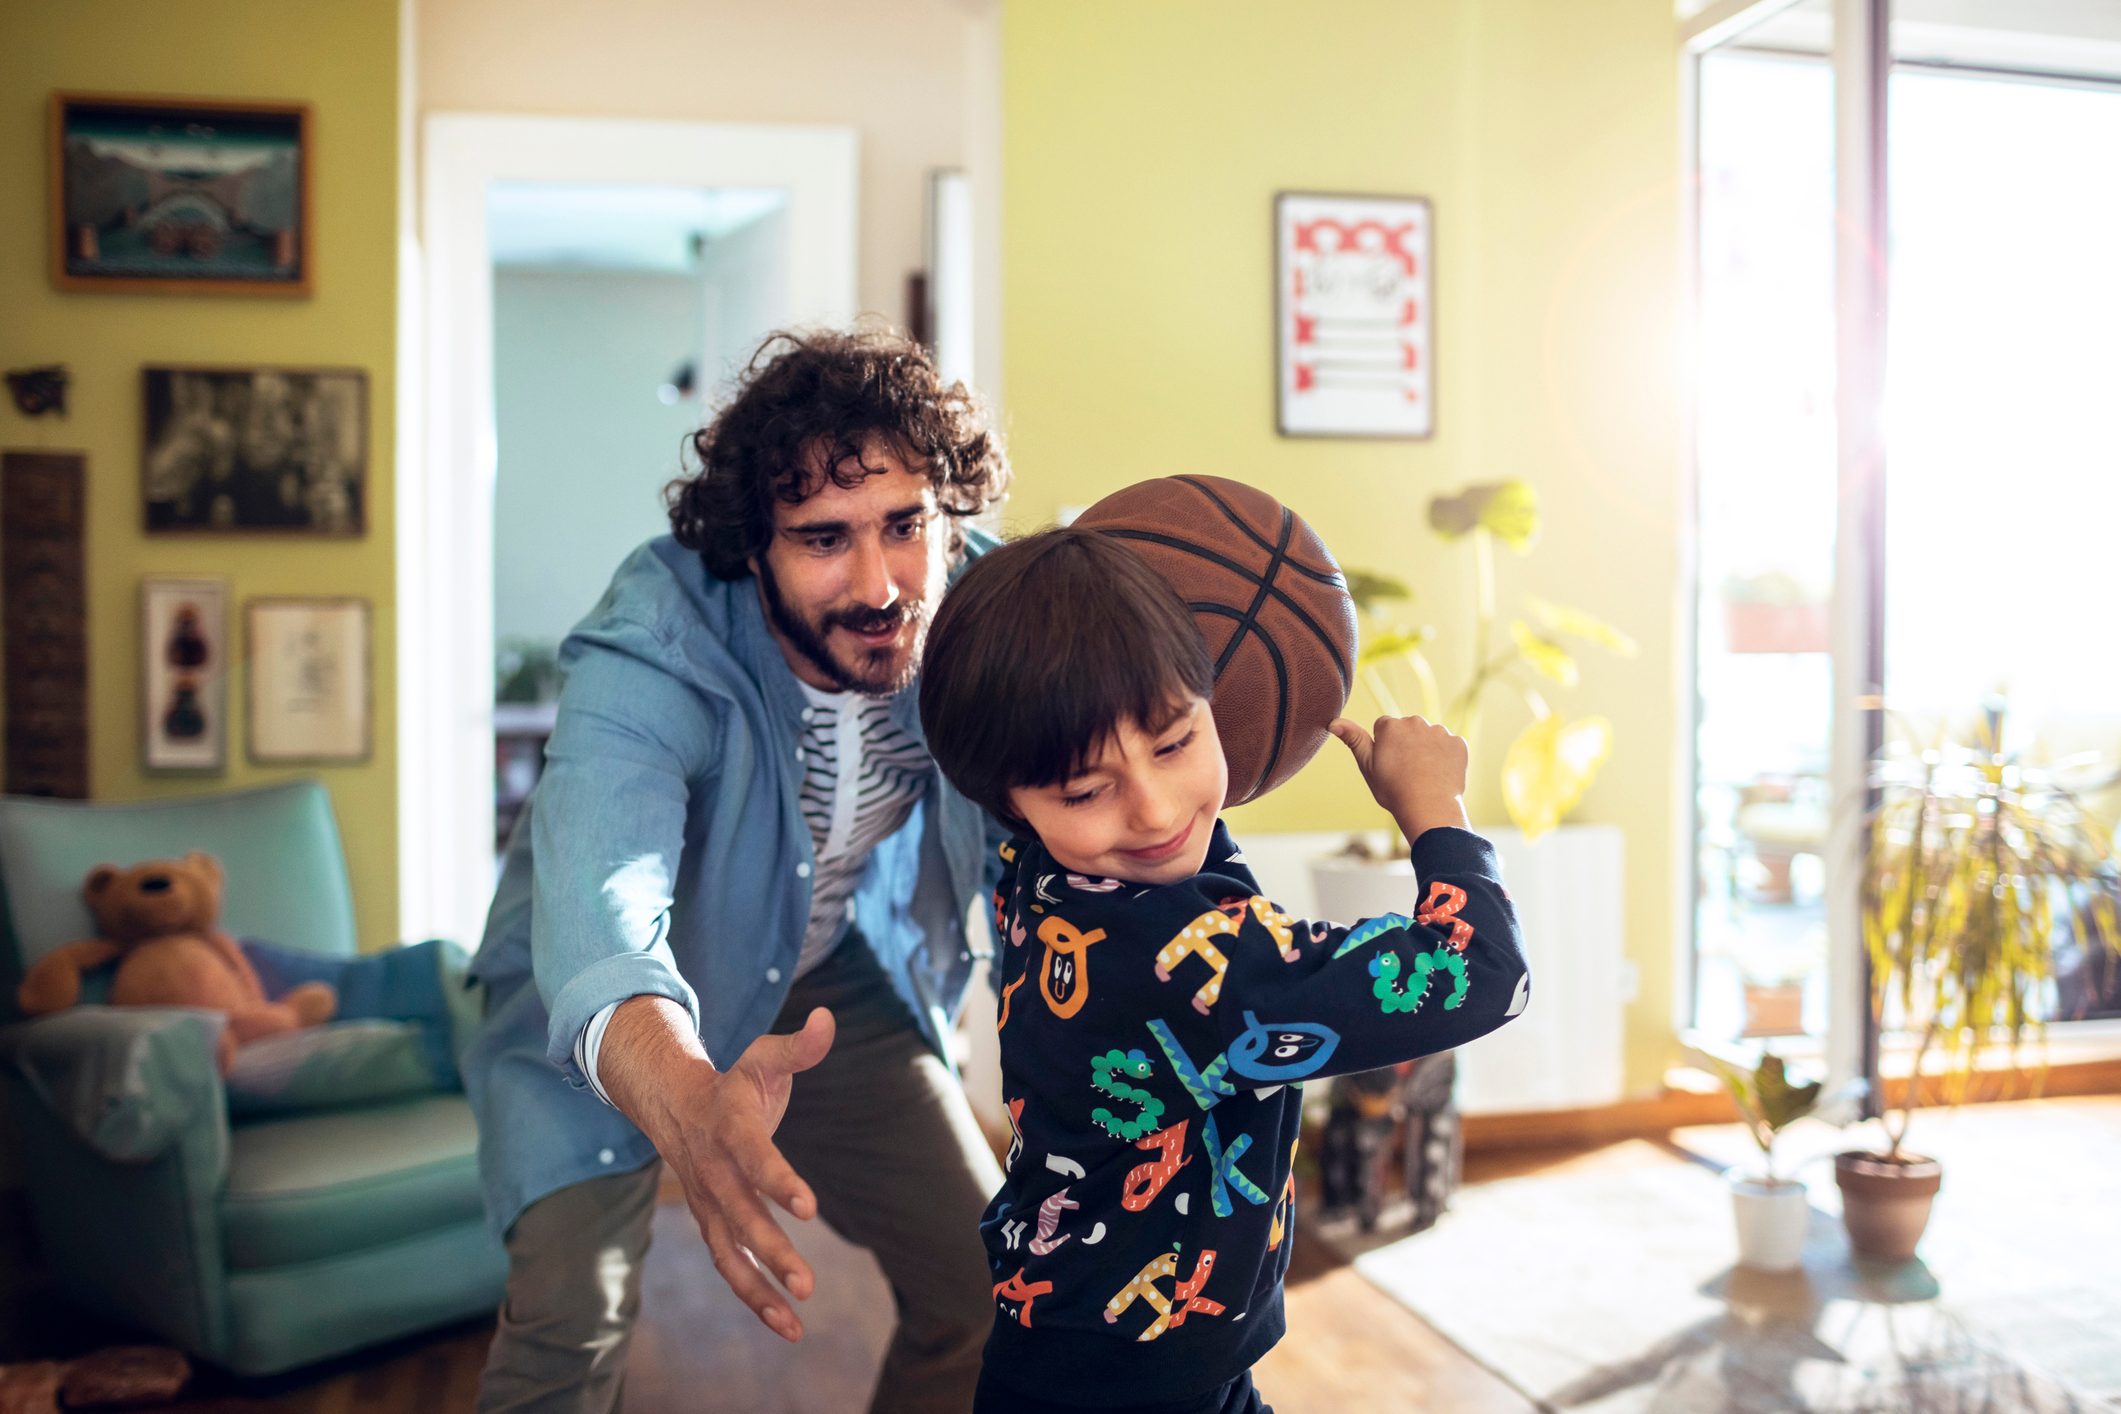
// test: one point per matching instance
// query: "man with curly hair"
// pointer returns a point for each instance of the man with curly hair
(729, 933)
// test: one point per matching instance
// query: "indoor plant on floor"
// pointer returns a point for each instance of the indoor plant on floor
(1771, 1211)
(1978, 862)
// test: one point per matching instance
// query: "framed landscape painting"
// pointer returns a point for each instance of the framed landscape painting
(179, 195)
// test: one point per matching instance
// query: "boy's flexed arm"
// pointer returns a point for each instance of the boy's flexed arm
(1302, 999)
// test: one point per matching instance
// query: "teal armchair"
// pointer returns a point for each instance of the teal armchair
(261, 1244)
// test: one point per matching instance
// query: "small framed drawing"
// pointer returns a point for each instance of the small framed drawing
(309, 680)
(179, 195)
(184, 674)
(235, 450)
(1354, 316)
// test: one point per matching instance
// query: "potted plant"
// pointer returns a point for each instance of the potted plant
(1774, 1002)
(1979, 863)
(1546, 770)
(1773, 973)
(1771, 1211)
(1773, 613)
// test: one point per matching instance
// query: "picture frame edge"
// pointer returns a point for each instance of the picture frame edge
(366, 606)
(1428, 204)
(149, 583)
(302, 110)
(365, 398)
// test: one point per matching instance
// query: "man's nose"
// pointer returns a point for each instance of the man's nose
(873, 583)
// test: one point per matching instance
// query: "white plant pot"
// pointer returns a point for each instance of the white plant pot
(1772, 1221)
(1350, 889)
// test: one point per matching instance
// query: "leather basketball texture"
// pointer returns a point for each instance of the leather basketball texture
(1271, 603)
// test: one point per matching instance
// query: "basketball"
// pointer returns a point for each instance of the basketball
(1271, 603)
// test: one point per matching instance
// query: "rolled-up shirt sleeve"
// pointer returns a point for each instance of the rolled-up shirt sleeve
(589, 1047)
(608, 827)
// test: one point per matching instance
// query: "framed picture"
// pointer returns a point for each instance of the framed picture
(255, 449)
(179, 195)
(309, 680)
(184, 674)
(1354, 316)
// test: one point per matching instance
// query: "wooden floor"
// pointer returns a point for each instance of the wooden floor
(1349, 1349)
(696, 1351)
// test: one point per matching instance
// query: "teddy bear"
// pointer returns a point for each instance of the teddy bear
(157, 921)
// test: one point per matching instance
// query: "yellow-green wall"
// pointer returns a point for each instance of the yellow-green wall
(342, 58)
(1143, 145)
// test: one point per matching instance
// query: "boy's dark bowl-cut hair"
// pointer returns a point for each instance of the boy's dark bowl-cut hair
(829, 391)
(1041, 651)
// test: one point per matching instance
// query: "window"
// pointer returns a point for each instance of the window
(2003, 440)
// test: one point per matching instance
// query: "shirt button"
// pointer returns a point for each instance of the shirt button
(799, 753)
(773, 974)
(802, 871)
(605, 1156)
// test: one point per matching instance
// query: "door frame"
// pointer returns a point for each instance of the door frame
(445, 483)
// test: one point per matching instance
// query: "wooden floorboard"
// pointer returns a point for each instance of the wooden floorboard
(1352, 1349)
(1349, 1349)
(697, 1351)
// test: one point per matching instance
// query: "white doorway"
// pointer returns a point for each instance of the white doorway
(555, 227)
(621, 314)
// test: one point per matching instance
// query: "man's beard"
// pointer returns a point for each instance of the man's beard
(878, 672)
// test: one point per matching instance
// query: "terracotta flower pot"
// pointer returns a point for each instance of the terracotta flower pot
(1885, 1203)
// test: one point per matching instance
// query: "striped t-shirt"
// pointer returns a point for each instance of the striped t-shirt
(862, 774)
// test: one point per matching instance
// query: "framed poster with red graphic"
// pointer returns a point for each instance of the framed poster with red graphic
(1354, 318)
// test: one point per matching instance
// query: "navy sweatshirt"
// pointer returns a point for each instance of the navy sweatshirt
(1152, 1041)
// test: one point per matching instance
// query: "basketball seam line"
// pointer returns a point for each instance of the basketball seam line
(1174, 543)
(1281, 687)
(1334, 577)
(1250, 622)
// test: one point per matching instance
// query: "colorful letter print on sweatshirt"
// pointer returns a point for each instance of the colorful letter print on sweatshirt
(1153, 1074)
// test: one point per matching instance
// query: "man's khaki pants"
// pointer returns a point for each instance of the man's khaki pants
(881, 1132)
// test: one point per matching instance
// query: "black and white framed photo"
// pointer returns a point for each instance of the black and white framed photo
(235, 450)
(1354, 316)
(183, 674)
(179, 195)
(309, 680)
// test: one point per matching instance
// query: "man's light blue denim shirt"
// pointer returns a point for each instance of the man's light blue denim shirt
(664, 852)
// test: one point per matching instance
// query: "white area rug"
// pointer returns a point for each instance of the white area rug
(1606, 1284)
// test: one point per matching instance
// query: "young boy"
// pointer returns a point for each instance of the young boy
(1156, 1012)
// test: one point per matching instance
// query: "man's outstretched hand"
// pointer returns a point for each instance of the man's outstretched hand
(715, 1131)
